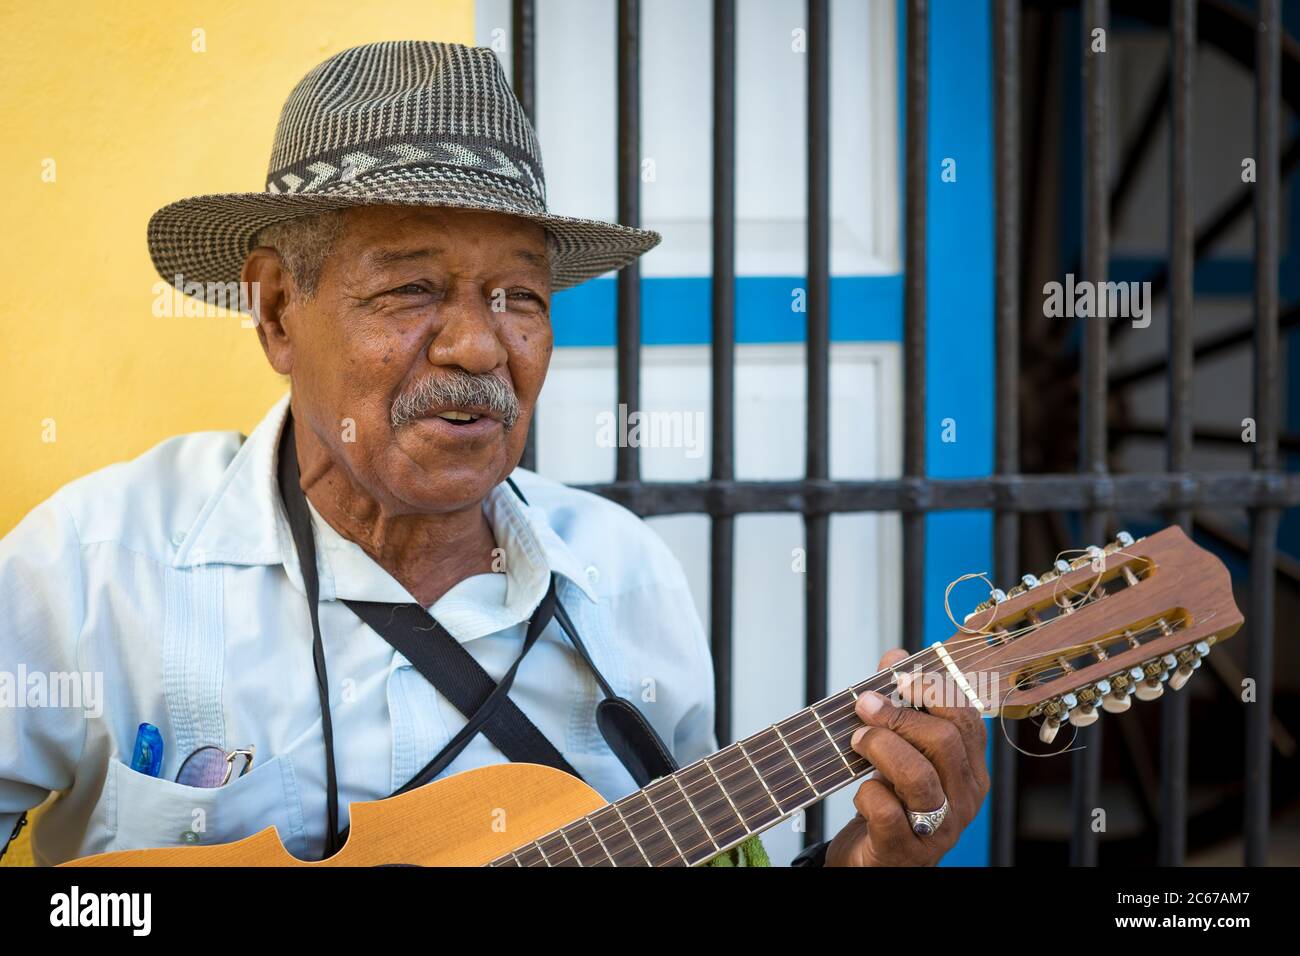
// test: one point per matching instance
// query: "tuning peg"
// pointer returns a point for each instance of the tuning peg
(1027, 582)
(1189, 659)
(1054, 711)
(996, 596)
(1149, 689)
(1048, 729)
(1122, 686)
(1089, 697)
(1156, 673)
(1116, 702)
(1084, 715)
(1124, 539)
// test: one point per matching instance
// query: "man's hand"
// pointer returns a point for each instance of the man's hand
(920, 758)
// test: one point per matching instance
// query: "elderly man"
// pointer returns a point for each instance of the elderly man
(319, 614)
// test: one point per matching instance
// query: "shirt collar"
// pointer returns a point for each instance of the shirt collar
(244, 523)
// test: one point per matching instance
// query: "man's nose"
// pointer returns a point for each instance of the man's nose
(467, 334)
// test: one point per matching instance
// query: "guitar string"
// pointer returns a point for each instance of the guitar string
(725, 771)
(744, 756)
(581, 846)
(684, 854)
(744, 759)
(770, 795)
(775, 790)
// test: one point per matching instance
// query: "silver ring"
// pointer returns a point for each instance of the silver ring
(923, 824)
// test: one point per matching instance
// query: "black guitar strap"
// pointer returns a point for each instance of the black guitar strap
(441, 659)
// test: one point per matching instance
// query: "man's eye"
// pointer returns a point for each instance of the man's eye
(411, 288)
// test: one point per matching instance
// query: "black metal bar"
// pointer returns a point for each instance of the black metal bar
(523, 79)
(914, 231)
(523, 54)
(627, 460)
(1158, 491)
(818, 359)
(722, 528)
(1264, 523)
(1172, 846)
(1006, 524)
(1086, 762)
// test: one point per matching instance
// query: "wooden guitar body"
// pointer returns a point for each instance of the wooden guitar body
(468, 819)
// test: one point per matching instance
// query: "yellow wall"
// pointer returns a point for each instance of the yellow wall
(134, 118)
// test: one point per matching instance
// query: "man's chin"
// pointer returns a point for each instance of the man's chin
(435, 478)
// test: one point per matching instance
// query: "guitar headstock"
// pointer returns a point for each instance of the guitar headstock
(1097, 630)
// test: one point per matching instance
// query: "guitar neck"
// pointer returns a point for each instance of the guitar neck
(716, 803)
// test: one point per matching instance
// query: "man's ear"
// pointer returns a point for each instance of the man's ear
(271, 290)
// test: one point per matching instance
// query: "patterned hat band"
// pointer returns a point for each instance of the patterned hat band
(332, 171)
(410, 123)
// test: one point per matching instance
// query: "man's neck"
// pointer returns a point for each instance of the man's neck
(428, 554)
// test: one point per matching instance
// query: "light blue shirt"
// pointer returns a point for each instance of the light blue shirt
(166, 590)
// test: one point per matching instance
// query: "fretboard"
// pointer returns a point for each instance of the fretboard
(716, 803)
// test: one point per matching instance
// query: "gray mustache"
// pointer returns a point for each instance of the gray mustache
(456, 388)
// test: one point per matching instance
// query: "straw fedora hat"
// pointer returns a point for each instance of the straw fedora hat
(410, 123)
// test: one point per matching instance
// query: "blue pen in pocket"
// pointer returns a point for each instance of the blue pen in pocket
(148, 755)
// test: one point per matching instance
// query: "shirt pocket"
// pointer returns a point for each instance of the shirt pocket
(144, 812)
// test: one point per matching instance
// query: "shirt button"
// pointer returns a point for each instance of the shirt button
(178, 538)
(593, 575)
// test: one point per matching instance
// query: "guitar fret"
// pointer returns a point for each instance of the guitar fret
(576, 855)
(831, 737)
(779, 772)
(609, 859)
(632, 834)
(816, 752)
(616, 837)
(766, 789)
(545, 859)
(795, 758)
(687, 823)
(529, 855)
(745, 790)
(652, 835)
(559, 853)
(663, 826)
(720, 820)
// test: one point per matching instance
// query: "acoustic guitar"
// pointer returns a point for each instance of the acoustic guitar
(1115, 623)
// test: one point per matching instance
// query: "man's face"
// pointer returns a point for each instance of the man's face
(411, 298)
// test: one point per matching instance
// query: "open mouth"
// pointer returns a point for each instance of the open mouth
(458, 418)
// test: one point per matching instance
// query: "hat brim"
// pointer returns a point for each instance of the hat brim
(204, 240)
